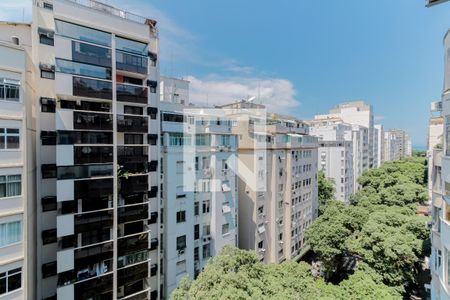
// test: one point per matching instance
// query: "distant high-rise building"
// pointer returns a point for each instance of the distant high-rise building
(379, 141)
(397, 145)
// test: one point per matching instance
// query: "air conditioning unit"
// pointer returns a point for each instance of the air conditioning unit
(262, 250)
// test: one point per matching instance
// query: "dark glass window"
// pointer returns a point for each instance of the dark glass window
(48, 236)
(9, 138)
(10, 281)
(49, 203)
(132, 93)
(90, 54)
(131, 46)
(48, 105)
(82, 33)
(84, 137)
(130, 138)
(89, 171)
(46, 36)
(49, 269)
(173, 118)
(86, 105)
(196, 231)
(93, 154)
(131, 63)
(181, 216)
(92, 121)
(181, 242)
(76, 68)
(48, 74)
(196, 208)
(133, 110)
(48, 137)
(48, 171)
(92, 88)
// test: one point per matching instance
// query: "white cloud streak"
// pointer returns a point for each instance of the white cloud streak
(278, 94)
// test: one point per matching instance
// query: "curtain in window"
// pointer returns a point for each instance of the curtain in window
(2, 186)
(10, 233)
(14, 185)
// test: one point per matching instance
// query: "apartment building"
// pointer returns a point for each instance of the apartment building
(379, 140)
(357, 113)
(17, 232)
(434, 139)
(397, 145)
(277, 182)
(199, 187)
(336, 154)
(95, 84)
(440, 226)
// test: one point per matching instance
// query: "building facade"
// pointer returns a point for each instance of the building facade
(397, 145)
(336, 154)
(17, 231)
(379, 140)
(96, 93)
(199, 187)
(277, 183)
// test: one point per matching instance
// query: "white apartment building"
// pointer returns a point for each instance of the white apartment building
(336, 154)
(434, 141)
(277, 182)
(199, 185)
(440, 175)
(17, 231)
(356, 113)
(397, 145)
(379, 140)
(95, 82)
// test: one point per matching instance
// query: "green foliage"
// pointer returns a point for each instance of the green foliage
(326, 190)
(238, 274)
(380, 227)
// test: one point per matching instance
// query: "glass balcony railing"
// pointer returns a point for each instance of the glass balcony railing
(132, 124)
(93, 154)
(134, 184)
(132, 93)
(92, 88)
(132, 258)
(92, 121)
(132, 244)
(131, 63)
(132, 274)
(132, 213)
(132, 154)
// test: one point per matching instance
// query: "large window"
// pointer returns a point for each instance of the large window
(181, 216)
(9, 89)
(92, 88)
(10, 185)
(9, 138)
(131, 46)
(202, 140)
(82, 33)
(75, 68)
(90, 54)
(181, 242)
(10, 281)
(10, 233)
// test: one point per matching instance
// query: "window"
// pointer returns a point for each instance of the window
(196, 232)
(133, 110)
(76, 68)
(202, 140)
(137, 139)
(9, 90)
(181, 267)
(49, 236)
(225, 140)
(46, 37)
(225, 228)
(206, 229)
(82, 33)
(206, 206)
(49, 203)
(48, 105)
(49, 269)
(181, 216)
(47, 71)
(48, 137)
(48, 171)
(196, 163)
(9, 138)
(206, 251)
(10, 281)
(196, 208)
(48, 6)
(10, 185)
(261, 245)
(10, 233)
(196, 254)
(181, 243)
(180, 167)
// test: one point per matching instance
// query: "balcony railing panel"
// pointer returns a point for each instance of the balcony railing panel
(132, 93)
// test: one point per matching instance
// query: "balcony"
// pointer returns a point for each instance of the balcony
(88, 53)
(92, 270)
(86, 222)
(131, 63)
(97, 288)
(132, 124)
(132, 93)
(135, 243)
(134, 184)
(132, 274)
(93, 154)
(94, 253)
(132, 213)
(134, 198)
(132, 154)
(135, 168)
(92, 121)
(92, 88)
(132, 259)
(153, 193)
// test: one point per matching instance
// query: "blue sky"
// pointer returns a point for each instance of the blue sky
(302, 57)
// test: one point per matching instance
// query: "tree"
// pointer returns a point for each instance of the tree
(326, 190)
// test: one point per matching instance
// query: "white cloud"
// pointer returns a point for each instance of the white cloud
(278, 94)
